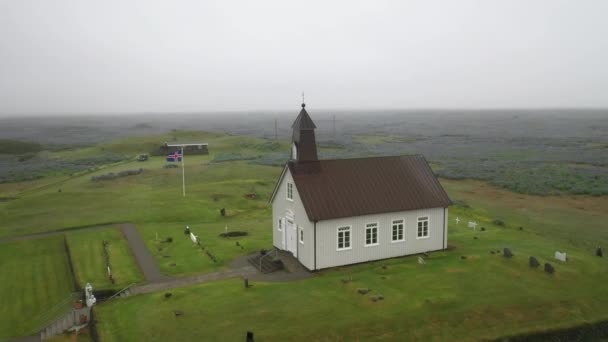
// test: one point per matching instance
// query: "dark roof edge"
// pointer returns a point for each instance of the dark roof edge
(437, 180)
(369, 157)
(374, 213)
(278, 184)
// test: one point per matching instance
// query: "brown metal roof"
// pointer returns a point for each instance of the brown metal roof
(353, 187)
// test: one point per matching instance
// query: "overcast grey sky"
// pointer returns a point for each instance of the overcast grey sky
(123, 56)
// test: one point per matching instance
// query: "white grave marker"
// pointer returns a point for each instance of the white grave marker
(457, 220)
(473, 224)
(193, 237)
(421, 261)
(561, 256)
(88, 292)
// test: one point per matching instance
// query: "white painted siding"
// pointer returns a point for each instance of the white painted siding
(328, 256)
(280, 204)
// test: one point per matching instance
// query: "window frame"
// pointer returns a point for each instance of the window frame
(428, 227)
(345, 228)
(289, 191)
(402, 230)
(377, 224)
(301, 235)
(280, 226)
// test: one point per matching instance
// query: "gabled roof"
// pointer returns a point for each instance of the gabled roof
(353, 187)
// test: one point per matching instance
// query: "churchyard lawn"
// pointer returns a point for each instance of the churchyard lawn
(87, 251)
(35, 277)
(481, 296)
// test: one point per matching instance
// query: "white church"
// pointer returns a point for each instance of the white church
(330, 213)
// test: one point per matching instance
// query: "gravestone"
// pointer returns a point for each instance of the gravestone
(506, 252)
(534, 262)
(187, 230)
(88, 292)
(598, 252)
(549, 268)
(193, 237)
(249, 337)
(223, 211)
(421, 261)
(472, 224)
(561, 256)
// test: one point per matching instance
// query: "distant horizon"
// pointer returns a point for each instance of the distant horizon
(297, 109)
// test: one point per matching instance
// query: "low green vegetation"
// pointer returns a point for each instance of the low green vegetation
(17, 147)
(89, 261)
(565, 220)
(36, 277)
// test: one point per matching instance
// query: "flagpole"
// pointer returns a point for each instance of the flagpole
(183, 172)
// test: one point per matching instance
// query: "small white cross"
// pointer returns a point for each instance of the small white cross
(457, 220)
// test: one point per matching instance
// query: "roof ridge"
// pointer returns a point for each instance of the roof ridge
(372, 157)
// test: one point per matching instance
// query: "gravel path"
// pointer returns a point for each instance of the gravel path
(187, 281)
(144, 259)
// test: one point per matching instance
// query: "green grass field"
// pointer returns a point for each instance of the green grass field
(86, 249)
(35, 277)
(482, 296)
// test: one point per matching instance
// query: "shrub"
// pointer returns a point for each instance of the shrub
(112, 175)
(224, 157)
(498, 222)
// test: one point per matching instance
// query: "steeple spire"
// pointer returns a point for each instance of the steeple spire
(304, 146)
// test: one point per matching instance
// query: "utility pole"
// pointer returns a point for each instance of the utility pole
(183, 172)
(276, 132)
(334, 128)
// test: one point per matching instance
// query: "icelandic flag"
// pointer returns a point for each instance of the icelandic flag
(175, 156)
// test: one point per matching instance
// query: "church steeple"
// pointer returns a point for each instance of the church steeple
(304, 146)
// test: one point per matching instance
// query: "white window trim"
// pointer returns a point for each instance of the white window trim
(350, 235)
(377, 235)
(287, 191)
(402, 222)
(428, 219)
(301, 235)
(280, 226)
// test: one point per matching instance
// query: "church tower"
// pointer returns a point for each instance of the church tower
(303, 144)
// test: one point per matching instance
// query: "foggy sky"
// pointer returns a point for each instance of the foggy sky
(132, 56)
